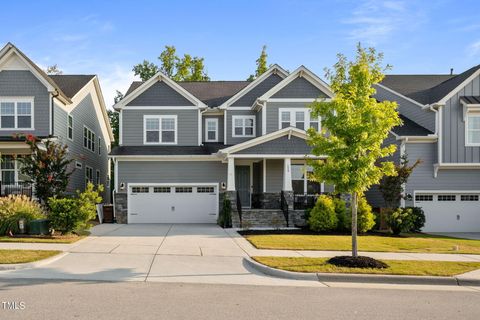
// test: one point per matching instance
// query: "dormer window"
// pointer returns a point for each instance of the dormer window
(16, 113)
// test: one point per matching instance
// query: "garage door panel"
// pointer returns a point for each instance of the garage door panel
(173, 204)
(450, 212)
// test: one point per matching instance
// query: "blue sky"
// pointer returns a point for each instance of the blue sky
(108, 37)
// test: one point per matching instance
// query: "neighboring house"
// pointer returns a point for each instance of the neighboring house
(446, 137)
(67, 108)
(184, 145)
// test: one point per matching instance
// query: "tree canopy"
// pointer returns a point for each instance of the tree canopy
(261, 63)
(53, 70)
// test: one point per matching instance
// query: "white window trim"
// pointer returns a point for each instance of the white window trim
(86, 176)
(16, 167)
(470, 144)
(68, 126)
(252, 117)
(16, 100)
(98, 178)
(93, 140)
(215, 120)
(159, 117)
(99, 148)
(292, 111)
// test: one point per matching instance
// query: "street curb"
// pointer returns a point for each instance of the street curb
(35, 264)
(361, 278)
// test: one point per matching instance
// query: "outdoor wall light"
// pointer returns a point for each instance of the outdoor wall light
(122, 186)
(223, 185)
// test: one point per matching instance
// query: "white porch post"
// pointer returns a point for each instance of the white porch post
(287, 175)
(264, 183)
(231, 174)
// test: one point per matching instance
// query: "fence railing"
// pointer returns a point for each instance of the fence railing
(15, 188)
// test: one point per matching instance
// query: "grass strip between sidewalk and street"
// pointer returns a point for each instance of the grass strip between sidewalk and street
(421, 243)
(396, 267)
(24, 256)
(45, 239)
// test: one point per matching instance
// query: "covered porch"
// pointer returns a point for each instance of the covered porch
(12, 181)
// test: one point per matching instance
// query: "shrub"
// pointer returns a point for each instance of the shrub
(14, 208)
(418, 219)
(322, 216)
(365, 216)
(341, 213)
(87, 204)
(225, 217)
(400, 220)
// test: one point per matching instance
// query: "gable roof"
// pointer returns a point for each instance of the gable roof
(410, 128)
(71, 84)
(214, 93)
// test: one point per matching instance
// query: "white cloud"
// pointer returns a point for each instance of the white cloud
(474, 49)
(374, 21)
(117, 77)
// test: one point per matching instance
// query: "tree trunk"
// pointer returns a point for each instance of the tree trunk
(354, 205)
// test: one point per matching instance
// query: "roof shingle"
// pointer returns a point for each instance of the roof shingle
(71, 84)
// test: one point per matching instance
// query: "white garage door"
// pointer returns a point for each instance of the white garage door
(450, 212)
(172, 203)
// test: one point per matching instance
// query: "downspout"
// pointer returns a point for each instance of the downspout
(438, 133)
(52, 112)
(200, 126)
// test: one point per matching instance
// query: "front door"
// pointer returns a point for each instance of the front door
(242, 184)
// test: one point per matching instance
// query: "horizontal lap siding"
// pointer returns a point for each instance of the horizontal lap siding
(172, 172)
(282, 145)
(274, 175)
(187, 122)
(232, 112)
(300, 88)
(23, 83)
(249, 98)
(454, 149)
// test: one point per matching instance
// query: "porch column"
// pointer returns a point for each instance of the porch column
(231, 174)
(264, 175)
(287, 175)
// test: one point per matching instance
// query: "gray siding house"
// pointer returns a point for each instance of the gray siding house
(184, 146)
(67, 108)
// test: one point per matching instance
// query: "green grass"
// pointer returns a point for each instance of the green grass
(396, 267)
(408, 243)
(46, 239)
(24, 256)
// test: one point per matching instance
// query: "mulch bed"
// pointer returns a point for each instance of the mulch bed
(357, 262)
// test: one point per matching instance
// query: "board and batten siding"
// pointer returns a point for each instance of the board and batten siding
(22, 83)
(273, 112)
(83, 115)
(171, 172)
(422, 177)
(232, 112)
(425, 118)
(160, 94)
(221, 127)
(187, 126)
(453, 128)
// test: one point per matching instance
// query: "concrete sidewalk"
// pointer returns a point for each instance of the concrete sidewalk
(252, 251)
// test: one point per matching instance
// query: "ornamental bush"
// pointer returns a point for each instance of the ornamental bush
(322, 216)
(365, 216)
(418, 219)
(341, 213)
(400, 220)
(16, 207)
(87, 203)
(225, 217)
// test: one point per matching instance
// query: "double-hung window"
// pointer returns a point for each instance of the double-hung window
(16, 113)
(88, 175)
(70, 127)
(243, 126)
(211, 130)
(473, 129)
(88, 139)
(160, 129)
(97, 177)
(297, 117)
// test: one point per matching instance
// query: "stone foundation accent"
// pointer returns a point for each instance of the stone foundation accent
(265, 218)
(121, 208)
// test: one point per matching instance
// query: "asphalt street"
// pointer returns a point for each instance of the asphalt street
(47, 299)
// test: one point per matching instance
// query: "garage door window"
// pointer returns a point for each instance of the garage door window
(423, 197)
(469, 197)
(446, 197)
(161, 190)
(140, 189)
(205, 189)
(183, 189)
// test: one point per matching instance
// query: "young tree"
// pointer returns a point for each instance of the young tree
(145, 70)
(261, 65)
(357, 124)
(169, 60)
(47, 167)
(391, 187)
(114, 122)
(53, 70)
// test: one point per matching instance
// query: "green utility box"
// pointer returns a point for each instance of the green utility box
(39, 226)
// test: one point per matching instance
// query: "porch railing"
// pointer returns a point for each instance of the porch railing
(304, 201)
(284, 206)
(15, 188)
(239, 207)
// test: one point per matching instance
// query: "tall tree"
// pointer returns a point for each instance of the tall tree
(261, 63)
(53, 70)
(186, 68)
(118, 96)
(114, 123)
(357, 125)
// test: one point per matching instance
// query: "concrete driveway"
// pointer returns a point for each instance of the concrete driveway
(155, 252)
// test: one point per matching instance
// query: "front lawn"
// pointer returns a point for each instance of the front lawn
(396, 267)
(24, 256)
(407, 243)
(43, 239)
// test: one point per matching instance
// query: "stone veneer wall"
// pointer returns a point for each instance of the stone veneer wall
(264, 218)
(121, 208)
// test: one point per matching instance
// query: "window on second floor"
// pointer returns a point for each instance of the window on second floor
(97, 177)
(243, 126)
(473, 130)
(88, 139)
(99, 146)
(16, 113)
(70, 127)
(211, 129)
(297, 117)
(160, 130)
(88, 175)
